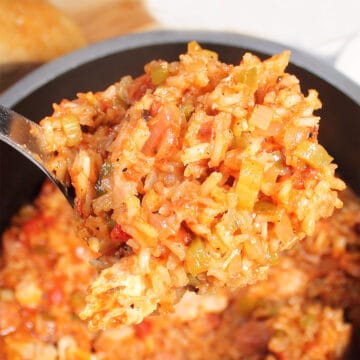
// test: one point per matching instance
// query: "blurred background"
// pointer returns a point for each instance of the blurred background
(35, 31)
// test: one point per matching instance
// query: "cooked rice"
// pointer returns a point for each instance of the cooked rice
(297, 313)
(195, 175)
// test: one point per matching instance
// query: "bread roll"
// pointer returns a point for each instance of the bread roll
(31, 33)
(35, 31)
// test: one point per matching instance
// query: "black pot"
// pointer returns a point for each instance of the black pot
(97, 66)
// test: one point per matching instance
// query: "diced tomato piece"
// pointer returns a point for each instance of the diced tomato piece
(56, 296)
(138, 87)
(118, 235)
(106, 104)
(165, 130)
(32, 226)
(214, 320)
(143, 329)
(206, 131)
(269, 146)
(301, 176)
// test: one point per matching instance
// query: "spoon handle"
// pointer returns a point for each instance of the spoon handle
(21, 133)
(25, 136)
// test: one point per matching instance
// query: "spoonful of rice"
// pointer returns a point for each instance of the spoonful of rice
(195, 175)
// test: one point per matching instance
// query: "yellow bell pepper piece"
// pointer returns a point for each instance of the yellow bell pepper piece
(313, 154)
(249, 183)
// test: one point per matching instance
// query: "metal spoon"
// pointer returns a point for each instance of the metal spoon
(24, 136)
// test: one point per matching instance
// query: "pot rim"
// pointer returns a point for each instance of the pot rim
(55, 68)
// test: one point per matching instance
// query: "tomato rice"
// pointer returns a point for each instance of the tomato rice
(194, 176)
(298, 312)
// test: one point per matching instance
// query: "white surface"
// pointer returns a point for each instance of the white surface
(348, 61)
(327, 28)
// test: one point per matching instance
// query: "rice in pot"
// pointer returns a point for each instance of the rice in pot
(297, 313)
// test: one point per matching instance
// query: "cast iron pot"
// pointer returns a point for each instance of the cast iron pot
(96, 67)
